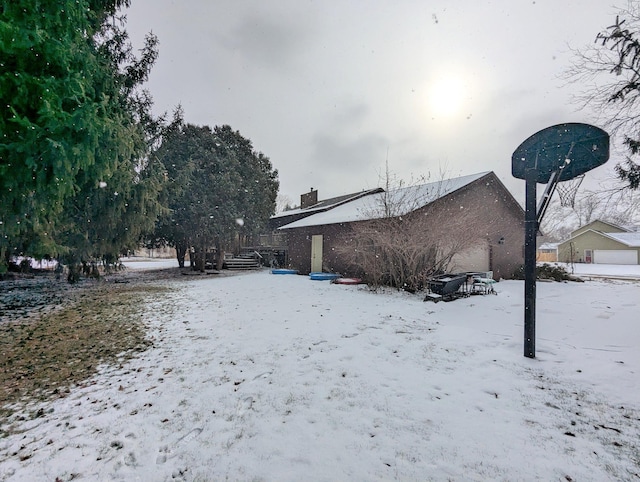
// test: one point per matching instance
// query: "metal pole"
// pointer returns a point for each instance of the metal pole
(548, 192)
(531, 229)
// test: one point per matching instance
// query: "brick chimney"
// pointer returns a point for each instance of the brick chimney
(308, 199)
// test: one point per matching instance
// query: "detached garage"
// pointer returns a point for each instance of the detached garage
(591, 244)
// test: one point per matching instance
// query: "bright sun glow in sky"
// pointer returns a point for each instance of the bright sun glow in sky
(446, 97)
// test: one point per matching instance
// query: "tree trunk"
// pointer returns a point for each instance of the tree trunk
(219, 255)
(4, 259)
(199, 258)
(181, 251)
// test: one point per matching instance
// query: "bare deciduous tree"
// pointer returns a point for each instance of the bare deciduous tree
(283, 203)
(609, 72)
(609, 203)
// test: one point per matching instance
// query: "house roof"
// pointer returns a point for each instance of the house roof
(325, 204)
(399, 202)
(630, 239)
(595, 221)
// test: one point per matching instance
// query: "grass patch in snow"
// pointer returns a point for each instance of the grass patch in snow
(43, 359)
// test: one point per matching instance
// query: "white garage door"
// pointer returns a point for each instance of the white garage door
(615, 256)
(475, 259)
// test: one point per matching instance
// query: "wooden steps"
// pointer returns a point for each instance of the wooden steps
(242, 263)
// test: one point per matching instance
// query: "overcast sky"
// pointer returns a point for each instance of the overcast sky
(329, 90)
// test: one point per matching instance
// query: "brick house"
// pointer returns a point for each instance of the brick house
(314, 240)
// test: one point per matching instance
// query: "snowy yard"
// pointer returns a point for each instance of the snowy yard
(279, 378)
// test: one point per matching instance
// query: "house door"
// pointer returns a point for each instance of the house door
(316, 253)
(588, 256)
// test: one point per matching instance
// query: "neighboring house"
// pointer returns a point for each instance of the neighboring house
(547, 252)
(498, 220)
(163, 252)
(602, 243)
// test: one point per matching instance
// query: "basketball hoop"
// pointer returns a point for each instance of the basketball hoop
(567, 191)
(551, 156)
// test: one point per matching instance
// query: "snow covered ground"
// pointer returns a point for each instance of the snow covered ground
(149, 263)
(279, 378)
(580, 269)
(606, 270)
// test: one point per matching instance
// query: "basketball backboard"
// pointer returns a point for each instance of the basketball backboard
(578, 147)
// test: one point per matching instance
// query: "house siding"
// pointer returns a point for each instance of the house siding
(299, 243)
(598, 225)
(505, 233)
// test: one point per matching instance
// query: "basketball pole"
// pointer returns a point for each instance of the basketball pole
(533, 218)
(531, 229)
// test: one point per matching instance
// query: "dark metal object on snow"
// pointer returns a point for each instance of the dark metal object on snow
(446, 287)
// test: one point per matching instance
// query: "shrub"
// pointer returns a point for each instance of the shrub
(546, 271)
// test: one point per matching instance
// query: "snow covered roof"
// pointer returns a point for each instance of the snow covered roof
(630, 239)
(324, 204)
(398, 202)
